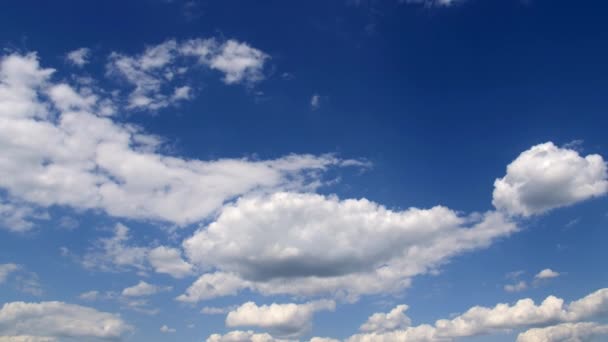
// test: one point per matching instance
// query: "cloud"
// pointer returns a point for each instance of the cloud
(169, 260)
(159, 70)
(383, 322)
(280, 319)
(165, 329)
(79, 57)
(517, 287)
(210, 310)
(6, 270)
(546, 274)
(114, 253)
(56, 139)
(59, 320)
(315, 101)
(480, 320)
(243, 336)
(279, 244)
(27, 338)
(565, 332)
(143, 289)
(89, 295)
(547, 177)
(17, 217)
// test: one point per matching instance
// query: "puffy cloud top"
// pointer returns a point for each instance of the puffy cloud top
(547, 177)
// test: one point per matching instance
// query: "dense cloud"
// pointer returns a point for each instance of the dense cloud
(547, 177)
(57, 319)
(280, 319)
(308, 244)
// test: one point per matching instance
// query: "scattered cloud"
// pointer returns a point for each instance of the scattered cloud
(547, 273)
(79, 57)
(517, 287)
(6, 270)
(165, 329)
(315, 101)
(565, 332)
(243, 336)
(143, 289)
(169, 260)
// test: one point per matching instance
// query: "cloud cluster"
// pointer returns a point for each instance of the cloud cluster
(244, 336)
(79, 57)
(143, 289)
(524, 313)
(309, 244)
(565, 332)
(47, 320)
(547, 177)
(55, 140)
(280, 319)
(383, 322)
(154, 72)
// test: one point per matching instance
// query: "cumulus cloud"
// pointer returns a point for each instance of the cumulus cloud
(169, 260)
(480, 320)
(546, 274)
(79, 57)
(143, 289)
(243, 336)
(565, 332)
(309, 244)
(280, 319)
(59, 320)
(55, 139)
(155, 72)
(547, 177)
(383, 322)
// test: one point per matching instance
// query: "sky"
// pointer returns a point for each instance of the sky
(348, 170)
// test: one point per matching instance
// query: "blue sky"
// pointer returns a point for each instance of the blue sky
(313, 171)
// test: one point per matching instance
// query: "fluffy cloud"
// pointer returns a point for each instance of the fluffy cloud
(6, 270)
(55, 139)
(18, 217)
(243, 336)
(154, 72)
(115, 253)
(79, 57)
(383, 322)
(59, 320)
(482, 320)
(546, 274)
(565, 332)
(169, 260)
(143, 289)
(547, 177)
(309, 244)
(280, 319)
(27, 338)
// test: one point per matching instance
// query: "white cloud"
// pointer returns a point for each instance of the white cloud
(114, 253)
(155, 71)
(89, 295)
(243, 336)
(18, 217)
(59, 320)
(27, 338)
(547, 274)
(480, 320)
(280, 319)
(169, 260)
(6, 270)
(210, 310)
(79, 57)
(279, 244)
(383, 322)
(565, 332)
(143, 289)
(547, 177)
(517, 287)
(315, 101)
(53, 146)
(165, 329)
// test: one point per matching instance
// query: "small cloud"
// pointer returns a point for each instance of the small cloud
(79, 57)
(546, 274)
(518, 287)
(89, 295)
(165, 329)
(288, 76)
(315, 101)
(514, 274)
